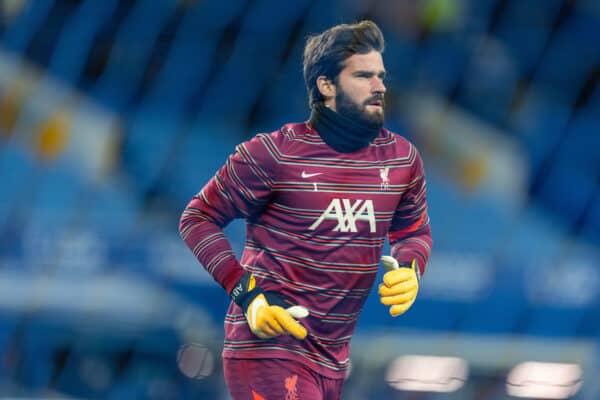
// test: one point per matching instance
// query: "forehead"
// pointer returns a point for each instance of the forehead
(372, 61)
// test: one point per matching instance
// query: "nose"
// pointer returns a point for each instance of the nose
(377, 85)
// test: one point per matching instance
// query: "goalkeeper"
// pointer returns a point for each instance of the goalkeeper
(319, 199)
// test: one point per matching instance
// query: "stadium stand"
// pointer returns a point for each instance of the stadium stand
(114, 113)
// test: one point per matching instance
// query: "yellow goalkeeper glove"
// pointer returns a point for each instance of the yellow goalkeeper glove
(400, 285)
(268, 314)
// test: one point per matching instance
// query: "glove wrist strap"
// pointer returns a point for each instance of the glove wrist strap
(244, 291)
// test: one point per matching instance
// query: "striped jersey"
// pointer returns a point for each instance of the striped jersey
(316, 224)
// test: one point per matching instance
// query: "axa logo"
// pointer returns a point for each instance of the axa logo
(347, 213)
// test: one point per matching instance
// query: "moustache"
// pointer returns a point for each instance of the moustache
(377, 99)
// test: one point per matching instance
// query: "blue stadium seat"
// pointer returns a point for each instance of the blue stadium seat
(590, 324)
(490, 73)
(593, 102)
(187, 62)
(187, 172)
(525, 44)
(564, 293)
(590, 229)
(540, 124)
(74, 44)
(124, 388)
(479, 15)
(181, 82)
(282, 23)
(399, 58)
(21, 31)
(552, 321)
(529, 12)
(567, 190)
(572, 49)
(39, 49)
(443, 59)
(9, 344)
(430, 315)
(40, 344)
(151, 135)
(285, 99)
(131, 52)
(500, 309)
(572, 178)
(323, 12)
(255, 38)
(441, 195)
(525, 28)
(217, 14)
(581, 144)
(96, 365)
(17, 170)
(140, 373)
(56, 201)
(111, 210)
(535, 236)
(477, 223)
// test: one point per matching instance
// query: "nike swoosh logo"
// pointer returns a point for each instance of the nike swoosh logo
(305, 175)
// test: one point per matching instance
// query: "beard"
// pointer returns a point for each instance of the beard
(358, 112)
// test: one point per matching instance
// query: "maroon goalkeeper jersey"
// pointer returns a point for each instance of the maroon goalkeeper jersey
(316, 224)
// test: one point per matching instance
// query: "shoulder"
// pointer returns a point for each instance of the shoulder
(289, 134)
(298, 131)
(397, 144)
(271, 145)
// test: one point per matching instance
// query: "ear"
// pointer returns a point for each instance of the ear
(326, 87)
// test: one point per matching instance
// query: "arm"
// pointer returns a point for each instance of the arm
(410, 240)
(410, 234)
(241, 188)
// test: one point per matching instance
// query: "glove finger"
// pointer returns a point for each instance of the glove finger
(297, 311)
(267, 332)
(260, 334)
(289, 324)
(399, 309)
(276, 327)
(398, 288)
(264, 323)
(398, 275)
(295, 329)
(274, 323)
(399, 299)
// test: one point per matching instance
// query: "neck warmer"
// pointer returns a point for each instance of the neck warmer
(343, 134)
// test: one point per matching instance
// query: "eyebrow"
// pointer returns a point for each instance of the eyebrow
(368, 73)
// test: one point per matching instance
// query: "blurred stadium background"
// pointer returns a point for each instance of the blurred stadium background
(114, 113)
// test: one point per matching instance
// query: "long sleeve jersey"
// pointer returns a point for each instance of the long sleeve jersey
(316, 222)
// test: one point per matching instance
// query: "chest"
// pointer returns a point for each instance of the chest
(357, 198)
